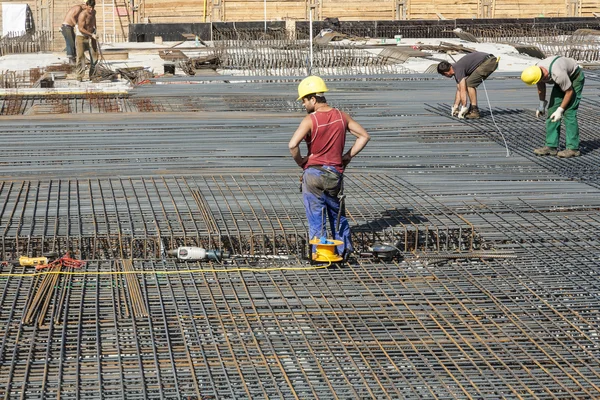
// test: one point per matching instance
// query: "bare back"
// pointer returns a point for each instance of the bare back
(72, 15)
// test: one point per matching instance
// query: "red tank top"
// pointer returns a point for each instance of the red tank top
(327, 139)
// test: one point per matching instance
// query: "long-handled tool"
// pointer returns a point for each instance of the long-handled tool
(93, 62)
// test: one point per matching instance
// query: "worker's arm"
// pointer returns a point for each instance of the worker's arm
(462, 92)
(541, 88)
(294, 145)
(567, 99)
(92, 24)
(457, 97)
(362, 138)
(456, 105)
(541, 110)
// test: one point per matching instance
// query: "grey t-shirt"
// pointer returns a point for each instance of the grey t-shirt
(562, 69)
(466, 65)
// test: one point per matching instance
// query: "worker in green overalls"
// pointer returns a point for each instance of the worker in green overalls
(568, 81)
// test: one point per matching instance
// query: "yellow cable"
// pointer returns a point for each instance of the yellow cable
(169, 272)
(164, 272)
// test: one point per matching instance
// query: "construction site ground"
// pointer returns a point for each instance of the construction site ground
(495, 292)
(146, 55)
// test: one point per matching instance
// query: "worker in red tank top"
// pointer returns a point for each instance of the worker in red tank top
(324, 130)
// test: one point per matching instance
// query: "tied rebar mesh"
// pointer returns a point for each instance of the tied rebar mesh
(287, 57)
(112, 218)
(582, 45)
(516, 319)
(524, 133)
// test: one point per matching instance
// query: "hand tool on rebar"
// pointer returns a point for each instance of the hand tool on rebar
(26, 261)
(191, 253)
(384, 251)
(49, 261)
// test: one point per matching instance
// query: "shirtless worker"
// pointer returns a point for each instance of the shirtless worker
(86, 25)
(68, 29)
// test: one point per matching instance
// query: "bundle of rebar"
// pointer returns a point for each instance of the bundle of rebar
(138, 304)
(46, 289)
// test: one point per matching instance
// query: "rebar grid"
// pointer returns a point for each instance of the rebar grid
(522, 132)
(430, 327)
(243, 214)
(444, 28)
(443, 330)
(288, 57)
(508, 224)
(552, 42)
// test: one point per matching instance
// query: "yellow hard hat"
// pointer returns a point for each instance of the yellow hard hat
(310, 85)
(531, 75)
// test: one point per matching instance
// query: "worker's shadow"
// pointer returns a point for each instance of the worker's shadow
(588, 146)
(391, 218)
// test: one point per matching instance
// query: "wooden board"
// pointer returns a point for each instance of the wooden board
(109, 21)
(115, 55)
(172, 55)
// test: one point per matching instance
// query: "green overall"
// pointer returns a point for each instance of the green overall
(570, 114)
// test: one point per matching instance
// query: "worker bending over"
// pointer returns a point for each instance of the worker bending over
(469, 72)
(324, 131)
(568, 81)
(86, 25)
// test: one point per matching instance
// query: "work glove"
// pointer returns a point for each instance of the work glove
(454, 112)
(557, 115)
(463, 111)
(93, 36)
(541, 109)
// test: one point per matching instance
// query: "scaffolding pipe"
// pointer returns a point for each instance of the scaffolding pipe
(310, 33)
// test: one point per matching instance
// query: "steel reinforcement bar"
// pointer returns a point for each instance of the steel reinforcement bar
(462, 328)
(243, 214)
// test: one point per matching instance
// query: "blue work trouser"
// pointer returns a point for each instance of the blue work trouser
(69, 35)
(320, 189)
(569, 117)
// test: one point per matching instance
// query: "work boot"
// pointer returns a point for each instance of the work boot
(545, 151)
(346, 255)
(568, 153)
(473, 113)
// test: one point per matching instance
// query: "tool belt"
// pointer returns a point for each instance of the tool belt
(333, 182)
(320, 168)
